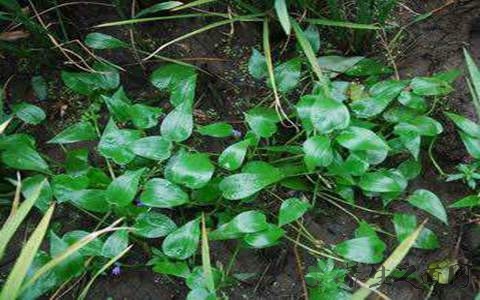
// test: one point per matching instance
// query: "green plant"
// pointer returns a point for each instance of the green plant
(469, 132)
(358, 133)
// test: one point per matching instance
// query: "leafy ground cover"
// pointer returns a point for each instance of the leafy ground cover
(158, 180)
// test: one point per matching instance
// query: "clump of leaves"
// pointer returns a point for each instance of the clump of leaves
(327, 281)
(358, 133)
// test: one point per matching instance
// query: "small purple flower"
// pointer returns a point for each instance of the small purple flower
(138, 203)
(237, 133)
(116, 270)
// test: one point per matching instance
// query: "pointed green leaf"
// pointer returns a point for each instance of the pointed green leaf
(383, 181)
(263, 239)
(318, 152)
(153, 225)
(178, 124)
(144, 116)
(291, 210)
(115, 243)
(263, 121)
(29, 113)
(118, 105)
(218, 130)
(430, 203)
(162, 193)
(467, 202)
(78, 132)
(183, 242)
(193, 170)
(257, 65)
(430, 86)
(152, 147)
(98, 40)
(233, 156)
(287, 75)
(115, 143)
(123, 189)
(282, 14)
(368, 249)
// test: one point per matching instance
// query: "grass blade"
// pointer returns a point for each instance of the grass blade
(282, 14)
(4, 125)
(85, 290)
(474, 83)
(309, 53)
(332, 23)
(11, 289)
(206, 264)
(153, 19)
(69, 251)
(248, 18)
(389, 264)
(193, 4)
(14, 221)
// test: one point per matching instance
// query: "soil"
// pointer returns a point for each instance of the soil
(224, 91)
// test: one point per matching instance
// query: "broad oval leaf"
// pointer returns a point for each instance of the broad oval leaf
(257, 65)
(287, 75)
(162, 193)
(218, 130)
(78, 132)
(430, 86)
(266, 238)
(144, 116)
(97, 40)
(361, 139)
(122, 190)
(254, 178)
(115, 143)
(246, 222)
(291, 210)
(405, 224)
(467, 202)
(368, 249)
(29, 113)
(383, 181)
(232, 157)
(318, 152)
(429, 202)
(115, 243)
(152, 147)
(23, 157)
(118, 105)
(178, 124)
(153, 225)
(193, 170)
(469, 127)
(328, 115)
(183, 242)
(263, 121)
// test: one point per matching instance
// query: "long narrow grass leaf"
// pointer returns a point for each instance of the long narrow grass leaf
(206, 264)
(161, 18)
(282, 14)
(309, 53)
(249, 18)
(14, 221)
(85, 290)
(11, 289)
(389, 265)
(474, 78)
(4, 125)
(193, 4)
(69, 251)
(326, 22)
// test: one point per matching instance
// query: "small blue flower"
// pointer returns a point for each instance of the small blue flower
(237, 133)
(138, 203)
(116, 270)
